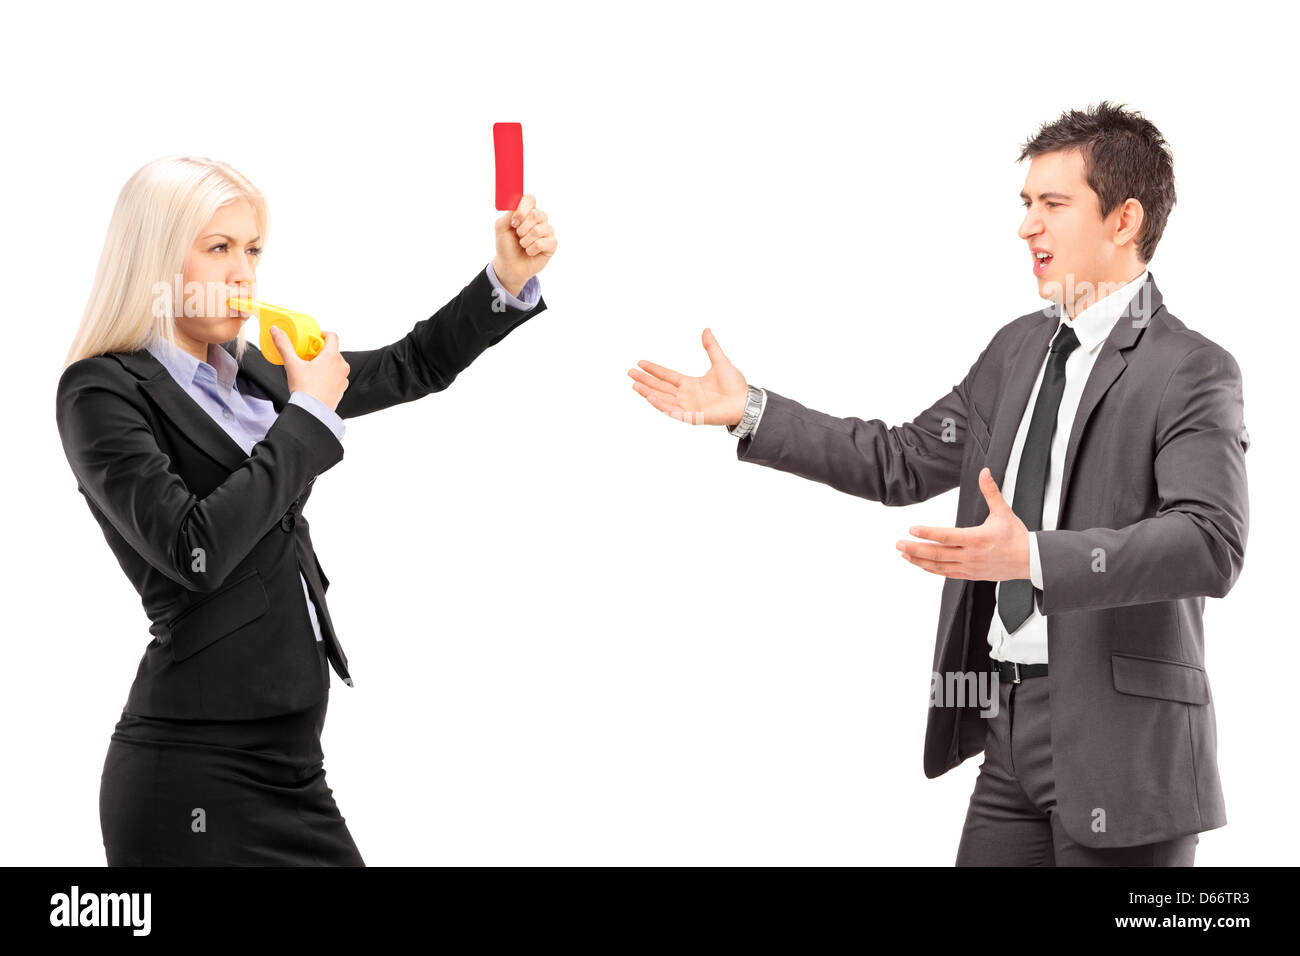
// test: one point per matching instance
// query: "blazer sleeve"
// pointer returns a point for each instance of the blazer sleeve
(1195, 545)
(430, 356)
(109, 442)
(895, 465)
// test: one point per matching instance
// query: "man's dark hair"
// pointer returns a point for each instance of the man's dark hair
(1124, 156)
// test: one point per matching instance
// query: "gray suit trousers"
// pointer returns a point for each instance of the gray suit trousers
(1012, 819)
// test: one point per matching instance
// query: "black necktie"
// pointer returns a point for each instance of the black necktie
(1016, 597)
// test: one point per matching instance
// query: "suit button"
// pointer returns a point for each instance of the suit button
(287, 522)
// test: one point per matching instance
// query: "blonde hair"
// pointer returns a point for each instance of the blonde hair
(158, 216)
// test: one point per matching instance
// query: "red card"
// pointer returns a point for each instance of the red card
(508, 139)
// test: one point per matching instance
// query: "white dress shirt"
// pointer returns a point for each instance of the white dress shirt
(1028, 645)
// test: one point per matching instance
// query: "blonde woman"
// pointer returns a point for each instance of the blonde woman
(196, 456)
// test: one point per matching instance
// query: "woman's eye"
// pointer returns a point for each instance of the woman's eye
(253, 250)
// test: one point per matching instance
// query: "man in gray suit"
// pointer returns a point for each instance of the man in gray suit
(1117, 438)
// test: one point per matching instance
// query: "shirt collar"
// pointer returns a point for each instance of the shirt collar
(185, 368)
(1094, 323)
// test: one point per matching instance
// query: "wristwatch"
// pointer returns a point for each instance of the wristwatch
(753, 408)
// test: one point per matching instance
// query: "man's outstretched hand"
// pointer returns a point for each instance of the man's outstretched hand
(998, 550)
(715, 398)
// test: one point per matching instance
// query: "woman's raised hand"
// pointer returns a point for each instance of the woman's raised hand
(715, 398)
(525, 242)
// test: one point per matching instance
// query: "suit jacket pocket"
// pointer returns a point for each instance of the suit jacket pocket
(240, 602)
(1160, 678)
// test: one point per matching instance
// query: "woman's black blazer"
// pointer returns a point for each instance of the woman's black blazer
(212, 538)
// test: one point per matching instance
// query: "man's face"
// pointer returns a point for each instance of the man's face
(1062, 217)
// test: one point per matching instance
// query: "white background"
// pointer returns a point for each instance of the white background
(583, 632)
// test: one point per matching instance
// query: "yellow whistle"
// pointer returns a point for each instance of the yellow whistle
(302, 329)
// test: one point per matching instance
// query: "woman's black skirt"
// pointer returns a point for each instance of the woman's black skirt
(221, 793)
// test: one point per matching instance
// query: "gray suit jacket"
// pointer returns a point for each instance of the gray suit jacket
(1154, 485)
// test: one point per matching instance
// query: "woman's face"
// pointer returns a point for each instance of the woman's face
(221, 263)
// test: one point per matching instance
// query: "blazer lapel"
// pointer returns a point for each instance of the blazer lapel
(268, 377)
(1029, 362)
(1020, 382)
(1110, 364)
(187, 415)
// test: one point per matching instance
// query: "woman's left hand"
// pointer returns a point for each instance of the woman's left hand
(525, 243)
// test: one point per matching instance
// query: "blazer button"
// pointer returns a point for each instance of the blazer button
(287, 522)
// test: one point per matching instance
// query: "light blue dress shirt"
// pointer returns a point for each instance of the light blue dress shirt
(247, 415)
